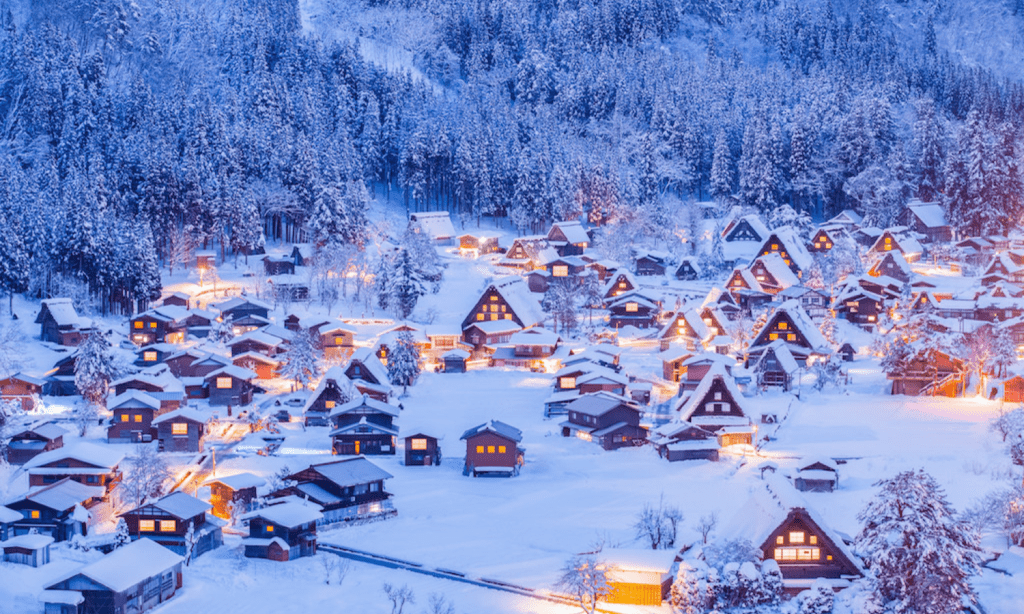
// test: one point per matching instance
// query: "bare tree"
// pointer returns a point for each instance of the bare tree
(145, 475)
(658, 525)
(399, 597)
(707, 524)
(437, 604)
(335, 569)
(585, 580)
(191, 540)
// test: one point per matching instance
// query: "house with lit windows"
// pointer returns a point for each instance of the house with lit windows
(346, 490)
(508, 298)
(332, 391)
(772, 274)
(685, 327)
(568, 238)
(422, 450)
(282, 532)
(605, 420)
(633, 309)
(164, 324)
(181, 430)
(790, 324)
(492, 448)
(1006, 266)
(530, 348)
(59, 323)
(22, 388)
(158, 382)
(779, 521)
(233, 494)
(155, 354)
(369, 375)
(528, 253)
(893, 265)
(563, 267)
(479, 244)
(785, 242)
(622, 282)
(717, 406)
(168, 520)
(688, 269)
(930, 373)
(364, 426)
(897, 239)
(265, 367)
(57, 509)
(824, 239)
(132, 421)
(742, 279)
(229, 385)
(481, 334)
(337, 340)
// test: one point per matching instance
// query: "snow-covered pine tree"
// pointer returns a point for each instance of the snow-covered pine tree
(121, 535)
(301, 361)
(721, 168)
(403, 361)
(921, 555)
(14, 260)
(94, 369)
(819, 599)
(406, 285)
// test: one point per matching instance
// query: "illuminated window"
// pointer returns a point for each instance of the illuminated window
(224, 383)
(773, 336)
(501, 449)
(138, 417)
(567, 382)
(419, 444)
(632, 307)
(828, 246)
(269, 528)
(490, 449)
(152, 324)
(179, 428)
(124, 417)
(560, 270)
(796, 537)
(494, 297)
(138, 323)
(503, 308)
(330, 404)
(508, 316)
(147, 525)
(479, 449)
(339, 341)
(622, 284)
(149, 356)
(791, 337)
(775, 246)
(779, 540)
(34, 514)
(494, 317)
(814, 540)
(817, 245)
(479, 317)
(167, 526)
(783, 325)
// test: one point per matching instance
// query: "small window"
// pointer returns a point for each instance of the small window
(138, 417)
(718, 396)
(124, 417)
(179, 428)
(560, 270)
(501, 449)
(783, 325)
(479, 317)
(780, 540)
(814, 540)
(138, 323)
(419, 444)
(632, 307)
(224, 383)
(330, 404)
(479, 449)
(152, 324)
(494, 297)
(167, 526)
(490, 449)
(773, 336)
(791, 337)
(339, 341)
(147, 525)
(269, 528)
(567, 382)
(34, 514)
(149, 356)
(796, 537)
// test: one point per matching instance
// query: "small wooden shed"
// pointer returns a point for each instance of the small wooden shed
(422, 450)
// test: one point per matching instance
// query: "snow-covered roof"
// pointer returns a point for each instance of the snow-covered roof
(351, 471)
(783, 355)
(495, 426)
(62, 310)
(803, 324)
(692, 402)
(182, 413)
(436, 224)
(777, 268)
(930, 214)
(63, 495)
(365, 401)
(365, 426)
(237, 301)
(232, 371)
(158, 376)
(366, 357)
(638, 559)
(602, 373)
(259, 337)
(790, 241)
(847, 216)
(573, 231)
(494, 327)
(288, 514)
(240, 359)
(28, 379)
(182, 505)
(239, 481)
(88, 453)
(129, 565)
(594, 404)
(755, 223)
(134, 398)
(612, 282)
(47, 431)
(336, 376)
(30, 541)
(517, 295)
(535, 336)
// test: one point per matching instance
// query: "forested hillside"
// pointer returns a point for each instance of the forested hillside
(135, 131)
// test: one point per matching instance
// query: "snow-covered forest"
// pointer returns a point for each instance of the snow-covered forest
(136, 130)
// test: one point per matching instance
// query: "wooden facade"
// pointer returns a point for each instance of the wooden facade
(347, 490)
(493, 448)
(25, 389)
(26, 445)
(168, 520)
(230, 386)
(364, 426)
(804, 550)
(181, 431)
(650, 264)
(931, 373)
(610, 423)
(282, 532)
(422, 450)
(233, 494)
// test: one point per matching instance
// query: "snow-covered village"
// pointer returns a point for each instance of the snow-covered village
(511, 306)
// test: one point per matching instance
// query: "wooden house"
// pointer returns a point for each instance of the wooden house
(528, 253)
(245, 314)
(435, 224)
(527, 348)
(772, 274)
(927, 220)
(279, 265)
(158, 382)
(779, 522)
(31, 550)
(816, 475)
(132, 420)
(365, 366)
(303, 254)
(1006, 266)
(568, 238)
(824, 239)
(493, 448)
(745, 228)
(7, 519)
(651, 263)
(337, 340)
(454, 361)
(785, 242)
(893, 265)
(604, 269)
(791, 324)
(56, 510)
(181, 430)
(684, 327)
(206, 259)
(561, 268)
(742, 279)
(256, 341)
(22, 388)
(638, 576)
(233, 494)
(422, 450)
(60, 380)
(230, 386)
(693, 369)
(155, 354)
(168, 520)
(265, 367)
(717, 406)
(672, 363)
(632, 309)
(364, 426)
(930, 373)
(775, 366)
(59, 323)
(347, 490)
(508, 298)
(135, 578)
(680, 441)
(847, 352)
(177, 299)
(863, 300)
(688, 269)
(815, 303)
(30, 443)
(479, 244)
(83, 462)
(160, 325)
(199, 322)
(847, 219)
(289, 287)
(896, 239)
(622, 282)
(282, 532)
(604, 420)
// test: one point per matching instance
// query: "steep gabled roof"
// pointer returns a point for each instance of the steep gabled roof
(693, 401)
(573, 231)
(365, 357)
(777, 268)
(365, 401)
(62, 310)
(930, 214)
(514, 291)
(790, 241)
(435, 224)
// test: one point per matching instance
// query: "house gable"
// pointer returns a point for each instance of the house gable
(803, 549)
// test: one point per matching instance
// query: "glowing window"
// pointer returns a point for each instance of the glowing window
(501, 449)
(775, 246)
(167, 526)
(269, 528)
(224, 383)
(139, 323)
(179, 428)
(791, 337)
(479, 317)
(419, 444)
(149, 356)
(814, 540)
(779, 540)
(34, 514)
(138, 417)
(494, 317)
(567, 382)
(147, 525)
(152, 324)
(124, 417)
(828, 246)
(339, 341)
(560, 270)
(490, 449)
(773, 336)
(330, 404)
(796, 537)
(479, 449)
(783, 325)
(632, 307)
(817, 245)
(622, 284)
(494, 297)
